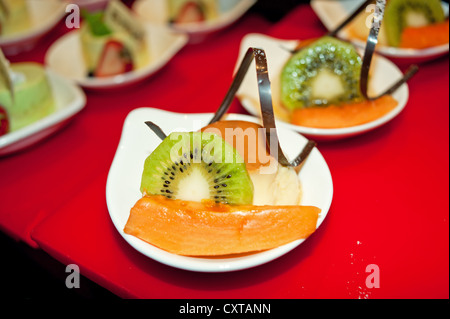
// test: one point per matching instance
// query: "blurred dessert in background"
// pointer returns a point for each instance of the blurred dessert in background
(414, 24)
(113, 41)
(25, 94)
(14, 17)
(192, 11)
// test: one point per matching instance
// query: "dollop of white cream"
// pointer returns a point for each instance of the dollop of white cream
(280, 188)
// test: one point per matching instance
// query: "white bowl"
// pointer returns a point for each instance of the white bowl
(44, 15)
(69, 100)
(331, 13)
(384, 74)
(65, 58)
(155, 11)
(137, 142)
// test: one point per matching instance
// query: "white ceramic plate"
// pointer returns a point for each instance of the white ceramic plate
(155, 11)
(65, 58)
(331, 13)
(384, 74)
(44, 15)
(137, 143)
(69, 100)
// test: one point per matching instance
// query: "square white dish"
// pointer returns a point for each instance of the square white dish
(65, 58)
(69, 100)
(44, 15)
(136, 144)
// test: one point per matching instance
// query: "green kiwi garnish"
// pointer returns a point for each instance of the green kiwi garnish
(197, 166)
(400, 14)
(325, 72)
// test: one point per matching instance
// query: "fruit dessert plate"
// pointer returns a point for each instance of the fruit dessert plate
(126, 174)
(383, 74)
(68, 101)
(420, 42)
(28, 21)
(65, 57)
(196, 20)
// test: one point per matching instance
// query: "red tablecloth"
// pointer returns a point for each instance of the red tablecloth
(390, 206)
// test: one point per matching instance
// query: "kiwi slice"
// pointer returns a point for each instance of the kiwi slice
(325, 72)
(400, 14)
(197, 166)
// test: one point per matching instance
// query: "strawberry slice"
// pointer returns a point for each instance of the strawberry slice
(115, 59)
(4, 122)
(191, 12)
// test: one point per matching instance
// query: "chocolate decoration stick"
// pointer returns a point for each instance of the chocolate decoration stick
(237, 81)
(372, 41)
(156, 129)
(265, 97)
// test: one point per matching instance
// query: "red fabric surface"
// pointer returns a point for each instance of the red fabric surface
(390, 205)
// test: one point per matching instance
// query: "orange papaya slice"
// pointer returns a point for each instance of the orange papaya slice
(209, 229)
(426, 36)
(345, 115)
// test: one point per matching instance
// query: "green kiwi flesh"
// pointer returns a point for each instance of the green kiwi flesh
(329, 66)
(396, 16)
(197, 166)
